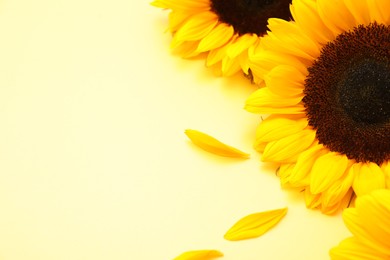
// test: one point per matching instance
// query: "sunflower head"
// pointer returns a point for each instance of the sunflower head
(327, 88)
(224, 30)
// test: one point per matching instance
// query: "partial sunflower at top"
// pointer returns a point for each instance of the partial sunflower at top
(327, 77)
(223, 29)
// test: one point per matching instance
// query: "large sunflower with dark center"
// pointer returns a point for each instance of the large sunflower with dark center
(250, 16)
(224, 30)
(347, 94)
(327, 91)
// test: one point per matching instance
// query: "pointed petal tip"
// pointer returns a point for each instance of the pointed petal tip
(156, 3)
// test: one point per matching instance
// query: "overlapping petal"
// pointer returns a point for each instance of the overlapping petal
(326, 170)
(263, 101)
(197, 29)
(287, 149)
(368, 177)
(369, 224)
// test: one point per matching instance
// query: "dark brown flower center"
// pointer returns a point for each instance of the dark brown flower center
(364, 93)
(250, 16)
(347, 94)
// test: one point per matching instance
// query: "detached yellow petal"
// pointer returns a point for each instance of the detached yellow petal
(199, 255)
(212, 145)
(255, 225)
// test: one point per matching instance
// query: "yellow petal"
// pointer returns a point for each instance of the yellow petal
(241, 44)
(368, 177)
(359, 228)
(216, 55)
(263, 60)
(300, 175)
(310, 21)
(176, 20)
(359, 11)
(285, 80)
(215, 68)
(255, 225)
(379, 10)
(352, 248)
(195, 28)
(312, 201)
(386, 169)
(284, 173)
(243, 60)
(326, 171)
(373, 213)
(186, 49)
(276, 127)
(287, 37)
(287, 149)
(219, 36)
(212, 145)
(199, 255)
(230, 66)
(263, 101)
(335, 16)
(341, 204)
(338, 190)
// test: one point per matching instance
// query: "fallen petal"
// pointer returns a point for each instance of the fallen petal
(212, 145)
(199, 255)
(255, 225)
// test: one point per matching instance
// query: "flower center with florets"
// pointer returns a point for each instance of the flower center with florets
(364, 92)
(250, 16)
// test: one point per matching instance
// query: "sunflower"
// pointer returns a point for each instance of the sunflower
(369, 224)
(224, 30)
(327, 93)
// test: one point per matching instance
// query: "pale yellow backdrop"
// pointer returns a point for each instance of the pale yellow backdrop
(94, 163)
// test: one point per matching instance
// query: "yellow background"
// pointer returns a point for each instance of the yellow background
(94, 163)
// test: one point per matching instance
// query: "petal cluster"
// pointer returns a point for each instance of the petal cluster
(196, 30)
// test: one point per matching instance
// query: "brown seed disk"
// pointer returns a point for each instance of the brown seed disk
(250, 16)
(347, 94)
